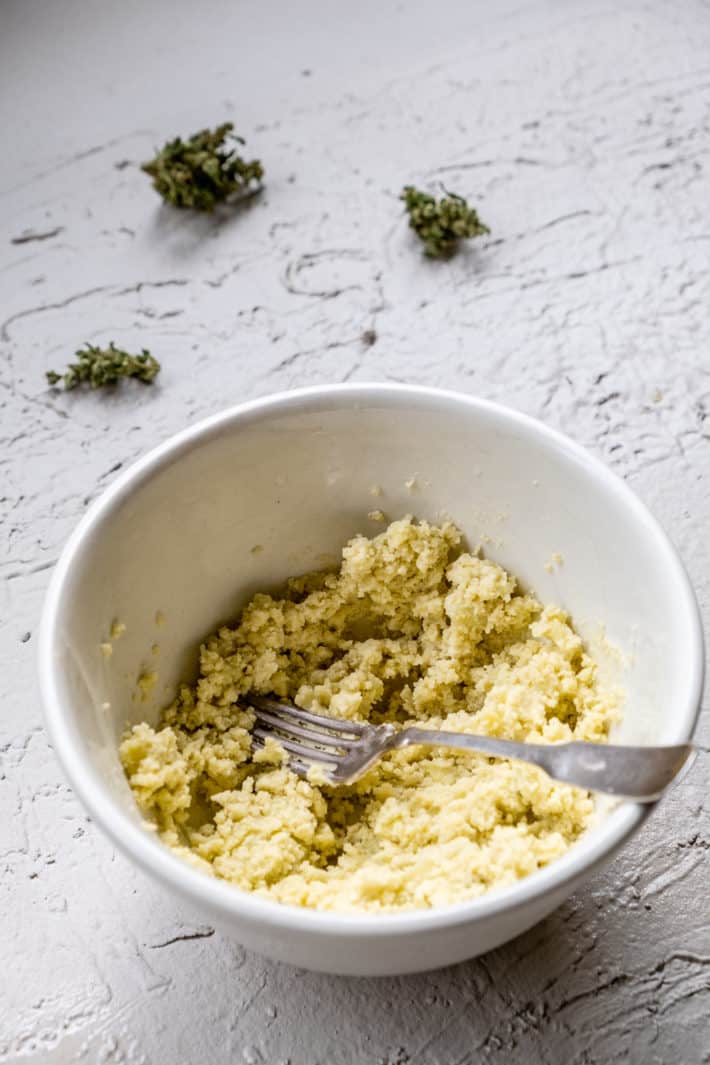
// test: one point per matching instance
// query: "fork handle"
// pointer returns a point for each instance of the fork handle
(640, 773)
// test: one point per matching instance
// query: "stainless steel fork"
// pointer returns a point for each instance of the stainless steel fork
(345, 749)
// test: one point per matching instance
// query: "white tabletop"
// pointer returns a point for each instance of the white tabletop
(581, 132)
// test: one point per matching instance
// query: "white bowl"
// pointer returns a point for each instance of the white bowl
(294, 474)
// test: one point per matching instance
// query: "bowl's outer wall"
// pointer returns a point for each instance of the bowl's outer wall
(391, 954)
(181, 541)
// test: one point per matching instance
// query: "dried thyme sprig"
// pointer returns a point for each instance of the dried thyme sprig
(440, 224)
(97, 367)
(202, 171)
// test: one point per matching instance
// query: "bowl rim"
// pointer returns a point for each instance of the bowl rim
(227, 901)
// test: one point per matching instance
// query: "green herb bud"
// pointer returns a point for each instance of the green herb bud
(98, 367)
(201, 172)
(440, 224)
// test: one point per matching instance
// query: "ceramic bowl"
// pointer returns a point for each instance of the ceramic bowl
(169, 550)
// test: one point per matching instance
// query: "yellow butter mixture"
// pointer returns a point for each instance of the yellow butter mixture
(414, 630)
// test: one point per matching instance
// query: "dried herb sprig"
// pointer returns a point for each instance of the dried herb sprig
(97, 367)
(202, 171)
(440, 224)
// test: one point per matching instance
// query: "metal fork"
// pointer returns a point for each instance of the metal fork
(345, 749)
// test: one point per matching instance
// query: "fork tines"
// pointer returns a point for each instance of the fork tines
(311, 737)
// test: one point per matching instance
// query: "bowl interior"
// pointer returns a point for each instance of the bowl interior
(239, 504)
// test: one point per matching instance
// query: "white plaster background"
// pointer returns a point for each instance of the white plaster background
(581, 130)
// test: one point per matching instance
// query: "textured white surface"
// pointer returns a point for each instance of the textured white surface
(581, 131)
